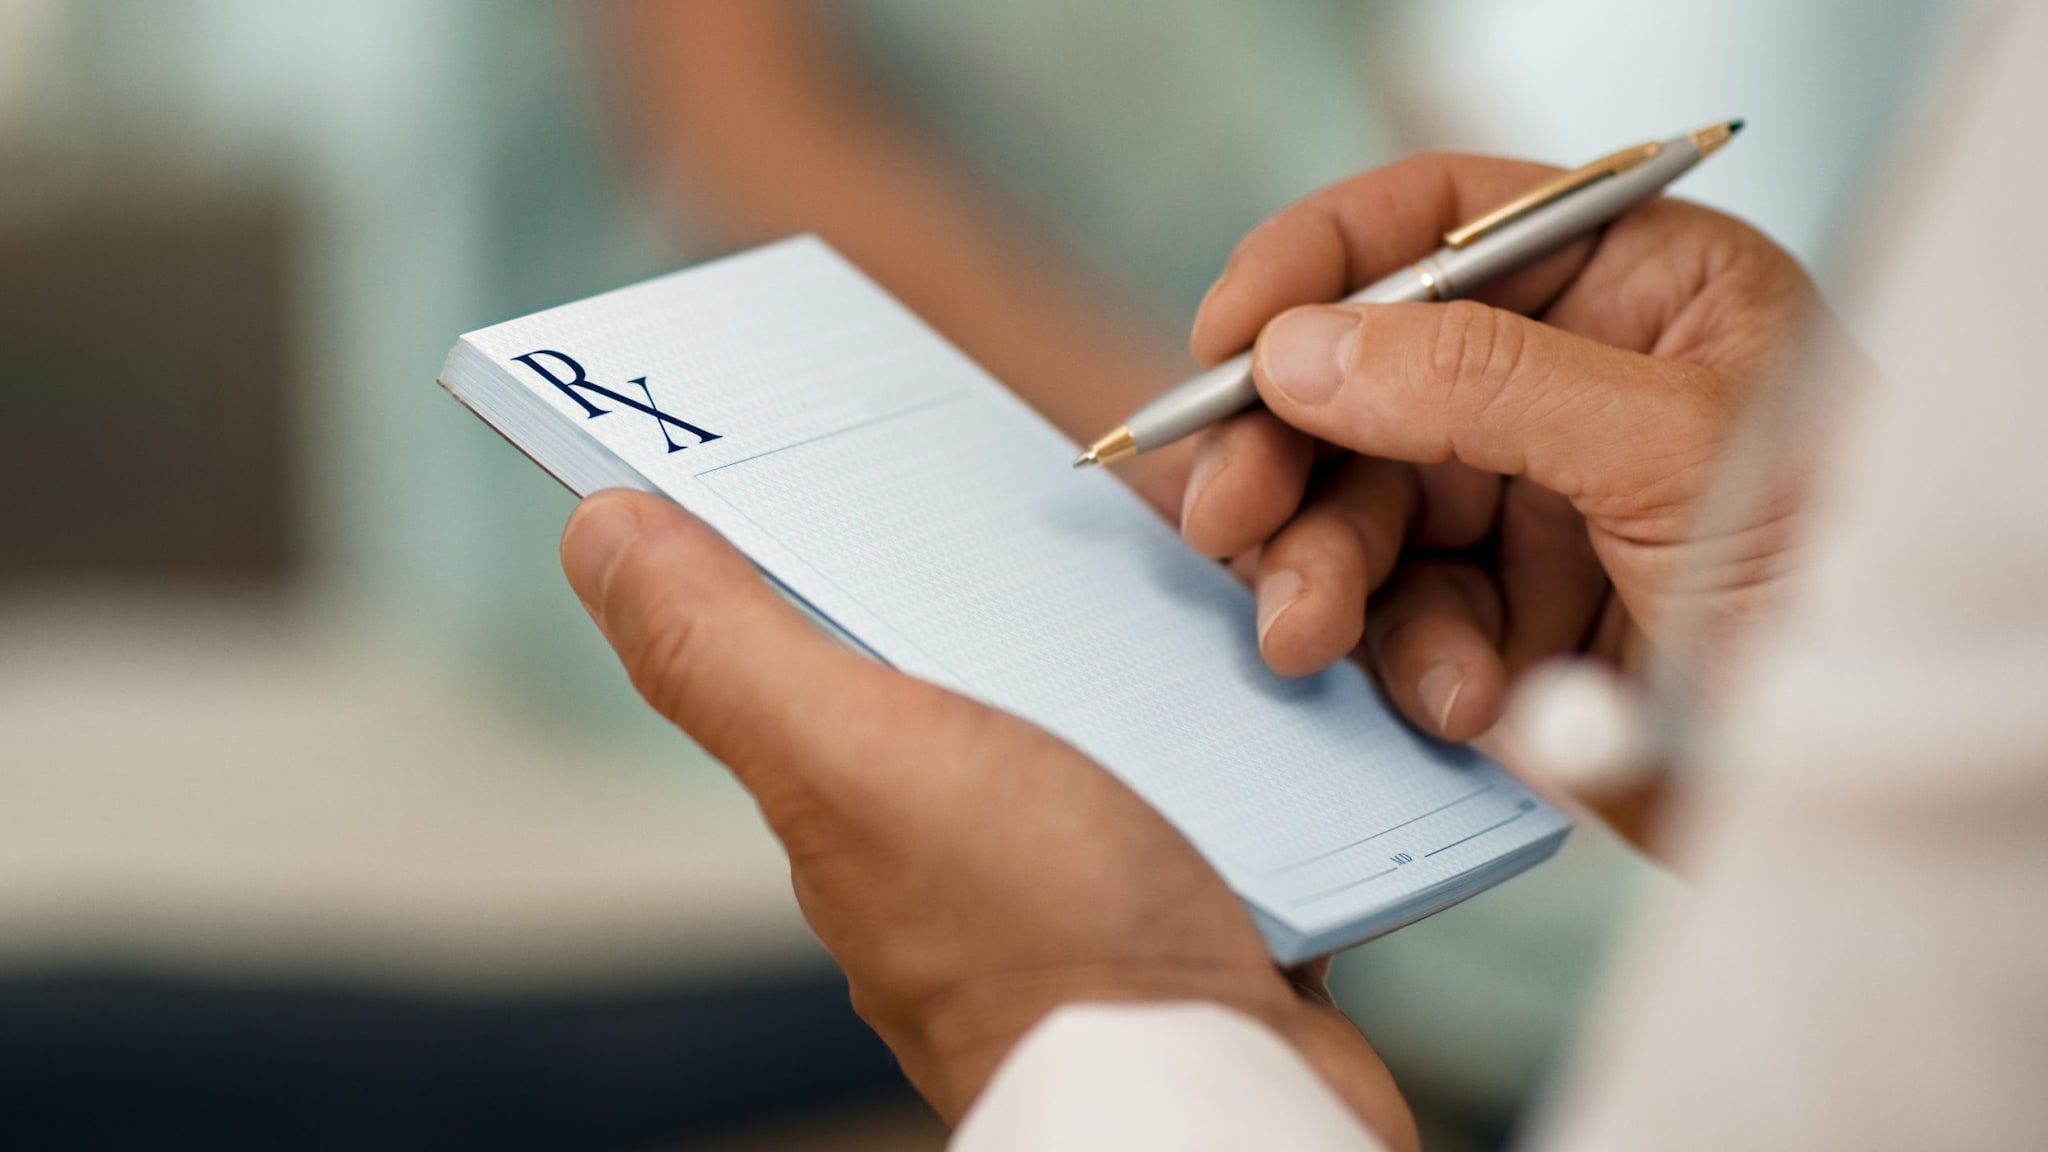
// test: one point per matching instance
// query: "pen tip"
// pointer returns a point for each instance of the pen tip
(1115, 446)
(1710, 139)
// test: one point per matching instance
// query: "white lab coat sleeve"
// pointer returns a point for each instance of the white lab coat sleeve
(1138, 1077)
(1865, 960)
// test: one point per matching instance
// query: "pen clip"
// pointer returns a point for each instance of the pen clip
(1610, 165)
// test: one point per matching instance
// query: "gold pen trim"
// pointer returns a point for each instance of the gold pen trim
(1429, 283)
(1115, 446)
(1613, 164)
(1710, 139)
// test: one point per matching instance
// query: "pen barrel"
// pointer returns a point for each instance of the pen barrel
(1201, 401)
(1445, 274)
(1462, 270)
(1227, 388)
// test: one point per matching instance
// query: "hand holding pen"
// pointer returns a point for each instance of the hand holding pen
(1532, 225)
(1510, 489)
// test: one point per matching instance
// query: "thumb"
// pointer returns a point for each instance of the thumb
(712, 647)
(1426, 383)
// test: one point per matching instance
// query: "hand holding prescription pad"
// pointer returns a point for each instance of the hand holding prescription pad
(930, 519)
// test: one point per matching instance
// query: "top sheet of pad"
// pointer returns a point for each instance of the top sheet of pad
(898, 490)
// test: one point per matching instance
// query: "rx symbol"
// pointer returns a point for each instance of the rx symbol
(578, 384)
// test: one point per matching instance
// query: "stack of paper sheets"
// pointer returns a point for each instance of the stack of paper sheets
(891, 487)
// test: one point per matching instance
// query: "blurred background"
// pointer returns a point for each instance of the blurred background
(326, 819)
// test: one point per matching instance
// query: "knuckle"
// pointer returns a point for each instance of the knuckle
(1376, 540)
(659, 666)
(1319, 539)
(1470, 594)
(1467, 583)
(1475, 353)
(669, 668)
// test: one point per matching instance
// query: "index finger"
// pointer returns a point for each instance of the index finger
(1341, 238)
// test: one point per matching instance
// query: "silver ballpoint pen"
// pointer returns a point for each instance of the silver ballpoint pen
(1533, 225)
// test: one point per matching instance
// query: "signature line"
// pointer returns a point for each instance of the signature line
(1478, 834)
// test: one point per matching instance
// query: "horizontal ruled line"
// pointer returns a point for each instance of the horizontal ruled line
(1344, 887)
(1478, 834)
(856, 426)
(1342, 848)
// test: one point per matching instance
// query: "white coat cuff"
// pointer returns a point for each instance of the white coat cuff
(1136, 1077)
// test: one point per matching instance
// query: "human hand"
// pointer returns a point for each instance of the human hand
(1485, 478)
(969, 872)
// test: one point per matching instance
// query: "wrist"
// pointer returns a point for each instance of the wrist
(964, 1041)
(959, 1040)
(1339, 1055)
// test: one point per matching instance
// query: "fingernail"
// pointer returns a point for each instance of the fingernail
(1222, 278)
(1439, 688)
(1302, 353)
(1206, 297)
(600, 530)
(1208, 462)
(1202, 342)
(1277, 593)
